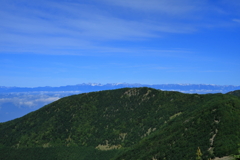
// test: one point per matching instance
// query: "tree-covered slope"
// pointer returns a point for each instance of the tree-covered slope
(56, 153)
(235, 93)
(214, 128)
(142, 123)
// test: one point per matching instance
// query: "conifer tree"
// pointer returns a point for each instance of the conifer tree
(199, 154)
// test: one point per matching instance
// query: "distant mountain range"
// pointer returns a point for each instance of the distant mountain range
(89, 87)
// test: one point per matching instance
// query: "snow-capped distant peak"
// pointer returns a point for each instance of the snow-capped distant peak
(95, 84)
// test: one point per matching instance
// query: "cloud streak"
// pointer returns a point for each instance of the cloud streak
(236, 20)
(29, 102)
(169, 7)
(54, 26)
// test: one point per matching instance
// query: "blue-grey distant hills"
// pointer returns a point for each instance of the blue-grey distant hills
(89, 87)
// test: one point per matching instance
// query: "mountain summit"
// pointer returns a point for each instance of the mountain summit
(128, 123)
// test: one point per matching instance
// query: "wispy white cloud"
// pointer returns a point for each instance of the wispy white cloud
(169, 7)
(50, 27)
(236, 20)
(214, 71)
(71, 19)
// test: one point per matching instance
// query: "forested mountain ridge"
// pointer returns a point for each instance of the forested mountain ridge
(140, 123)
(15, 102)
(235, 93)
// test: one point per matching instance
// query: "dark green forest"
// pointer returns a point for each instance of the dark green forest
(128, 123)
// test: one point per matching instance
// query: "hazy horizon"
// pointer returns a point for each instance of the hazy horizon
(102, 84)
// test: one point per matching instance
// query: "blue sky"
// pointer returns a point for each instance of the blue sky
(68, 42)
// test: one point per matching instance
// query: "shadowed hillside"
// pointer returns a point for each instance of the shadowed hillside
(235, 93)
